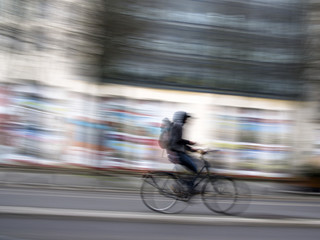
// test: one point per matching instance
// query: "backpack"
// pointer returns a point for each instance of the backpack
(165, 135)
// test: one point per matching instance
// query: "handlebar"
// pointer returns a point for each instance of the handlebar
(205, 151)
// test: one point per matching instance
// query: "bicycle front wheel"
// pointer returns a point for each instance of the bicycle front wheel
(157, 192)
(219, 194)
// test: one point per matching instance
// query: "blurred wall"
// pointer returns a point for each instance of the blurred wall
(88, 82)
(118, 126)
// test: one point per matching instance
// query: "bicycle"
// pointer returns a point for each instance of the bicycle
(161, 191)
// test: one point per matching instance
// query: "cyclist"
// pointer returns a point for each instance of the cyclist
(179, 147)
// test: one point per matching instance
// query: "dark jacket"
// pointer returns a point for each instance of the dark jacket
(177, 143)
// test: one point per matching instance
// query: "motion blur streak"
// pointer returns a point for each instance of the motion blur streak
(87, 83)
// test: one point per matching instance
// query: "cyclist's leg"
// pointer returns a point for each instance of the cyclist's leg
(189, 163)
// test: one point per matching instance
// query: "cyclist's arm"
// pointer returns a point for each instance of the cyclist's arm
(191, 149)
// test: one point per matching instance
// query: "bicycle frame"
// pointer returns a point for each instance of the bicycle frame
(218, 193)
(201, 175)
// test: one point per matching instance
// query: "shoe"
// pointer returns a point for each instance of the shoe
(179, 192)
(195, 191)
(177, 189)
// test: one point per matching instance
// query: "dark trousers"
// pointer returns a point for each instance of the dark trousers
(187, 161)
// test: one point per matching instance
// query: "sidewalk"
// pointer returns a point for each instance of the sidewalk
(97, 180)
(68, 179)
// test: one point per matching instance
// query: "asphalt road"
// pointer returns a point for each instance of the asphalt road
(13, 228)
(31, 213)
(261, 207)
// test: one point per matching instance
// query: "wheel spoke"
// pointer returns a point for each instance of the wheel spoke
(157, 193)
(219, 194)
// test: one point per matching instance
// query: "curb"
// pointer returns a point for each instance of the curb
(277, 195)
(69, 188)
(298, 193)
(157, 217)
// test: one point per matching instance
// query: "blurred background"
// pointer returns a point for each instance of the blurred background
(87, 83)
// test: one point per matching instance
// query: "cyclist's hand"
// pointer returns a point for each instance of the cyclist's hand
(192, 143)
(202, 151)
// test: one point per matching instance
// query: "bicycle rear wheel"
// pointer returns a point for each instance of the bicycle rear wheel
(158, 192)
(219, 194)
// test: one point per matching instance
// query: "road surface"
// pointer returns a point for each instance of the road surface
(33, 213)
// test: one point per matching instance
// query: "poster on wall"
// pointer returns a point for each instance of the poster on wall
(33, 128)
(252, 139)
(38, 127)
(115, 132)
(5, 115)
(134, 128)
